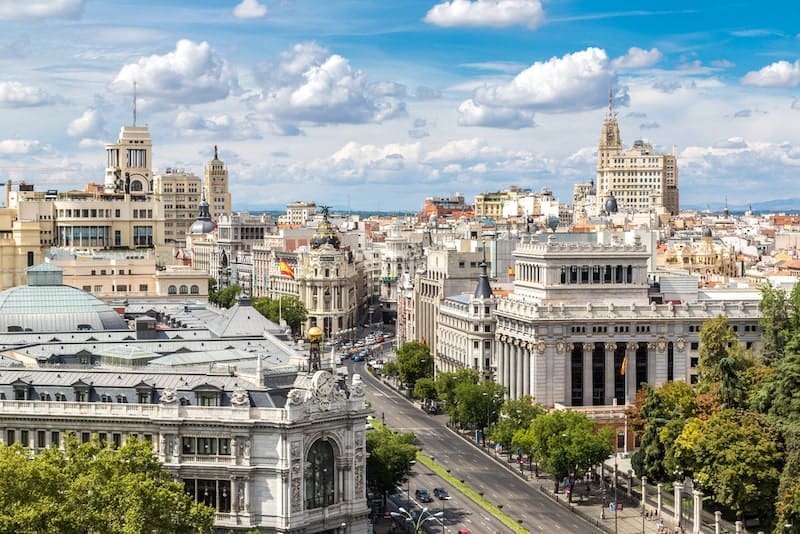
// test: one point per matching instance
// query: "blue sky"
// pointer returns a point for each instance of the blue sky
(377, 104)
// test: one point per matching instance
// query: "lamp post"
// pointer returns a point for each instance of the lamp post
(616, 505)
(417, 524)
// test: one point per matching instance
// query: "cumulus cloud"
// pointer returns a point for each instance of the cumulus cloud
(40, 9)
(574, 82)
(471, 113)
(16, 95)
(637, 58)
(307, 83)
(778, 74)
(427, 93)
(12, 147)
(491, 13)
(192, 73)
(90, 124)
(250, 9)
(722, 64)
(220, 126)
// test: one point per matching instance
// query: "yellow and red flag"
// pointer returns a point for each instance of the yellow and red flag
(286, 269)
(624, 365)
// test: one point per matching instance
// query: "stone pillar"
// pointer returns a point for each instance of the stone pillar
(609, 372)
(501, 350)
(587, 373)
(507, 365)
(644, 495)
(630, 373)
(678, 503)
(697, 511)
(526, 371)
(717, 522)
(659, 490)
(512, 385)
(630, 482)
(235, 495)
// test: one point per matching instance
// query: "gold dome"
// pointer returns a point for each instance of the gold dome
(315, 333)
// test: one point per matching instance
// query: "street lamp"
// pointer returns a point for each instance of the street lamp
(417, 524)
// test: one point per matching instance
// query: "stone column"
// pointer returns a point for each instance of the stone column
(500, 354)
(507, 365)
(235, 495)
(609, 372)
(678, 503)
(659, 489)
(717, 522)
(697, 511)
(644, 495)
(512, 384)
(526, 371)
(588, 355)
(630, 373)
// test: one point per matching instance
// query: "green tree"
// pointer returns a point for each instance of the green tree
(649, 459)
(290, 309)
(446, 384)
(723, 362)
(414, 361)
(774, 322)
(425, 388)
(735, 456)
(787, 506)
(515, 414)
(389, 457)
(93, 488)
(565, 442)
(778, 397)
(226, 298)
(212, 290)
(477, 405)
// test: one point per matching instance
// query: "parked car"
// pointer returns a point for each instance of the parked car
(441, 494)
(422, 495)
(464, 531)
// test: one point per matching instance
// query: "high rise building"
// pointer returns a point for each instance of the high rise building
(216, 187)
(179, 193)
(637, 177)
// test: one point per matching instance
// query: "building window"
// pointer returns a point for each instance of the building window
(30, 259)
(10, 437)
(213, 493)
(24, 438)
(172, 290)
(320, 475)
(475, 344)
(184, 290)
(55, 438)
(195, 290)
(41, 439)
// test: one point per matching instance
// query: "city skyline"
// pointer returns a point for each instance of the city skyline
(373, 106)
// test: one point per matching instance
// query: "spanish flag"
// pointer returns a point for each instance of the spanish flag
(286, 269)
(511, 271)
(624, 366)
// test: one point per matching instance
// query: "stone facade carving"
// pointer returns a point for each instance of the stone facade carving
(240, 397)
(168, 396)
(356, 387)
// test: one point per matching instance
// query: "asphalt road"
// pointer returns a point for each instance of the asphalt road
(521, 500)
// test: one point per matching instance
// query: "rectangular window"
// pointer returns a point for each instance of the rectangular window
(143, 397)
(143, 288)
(148, 438)
(98, 289)
(207, 446)
(24, 438)
(487, 328)
(41, 439)
(694, 345)
(475, 344)
(188, 445)
(224, 446)
(85, 437)
(117, 439)
(10, 437)
(103, 438)
(55, 439)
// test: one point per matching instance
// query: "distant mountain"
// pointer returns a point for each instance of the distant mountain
(781, 204)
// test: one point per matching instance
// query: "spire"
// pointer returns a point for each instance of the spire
(483, 290)
(610, 102)
(215, 152)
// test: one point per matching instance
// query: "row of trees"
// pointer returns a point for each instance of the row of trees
(736, 433)
(91, 487)
(562, 442)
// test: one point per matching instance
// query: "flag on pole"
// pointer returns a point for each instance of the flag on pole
(286, 269)
(511, 271)
(624, 366)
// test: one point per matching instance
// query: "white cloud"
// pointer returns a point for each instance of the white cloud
(471, 113)
(722, 64)
(637, 58)
(310, 84)
(574, 82)
(40, 9)
(778, 74)
(89, 124)
(192, 73)
(220, 126)
(20, 147)
(492, 13)
(250, 9)
(14, 94)
(465, 150)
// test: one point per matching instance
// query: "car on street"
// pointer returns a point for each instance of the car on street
(422, 495)
(441, 494)
(464, 531)
(358, 358)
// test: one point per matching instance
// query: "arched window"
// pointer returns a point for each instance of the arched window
(184, 290)
(136, 185)
(172, 290)
(194, 290)
(320, 475)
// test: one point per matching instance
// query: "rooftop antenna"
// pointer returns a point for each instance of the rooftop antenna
(611, 102)
(134, 103)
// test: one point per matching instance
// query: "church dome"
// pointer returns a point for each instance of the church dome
(203, 224)
(47, 305)
(611, 204)
(707, 232)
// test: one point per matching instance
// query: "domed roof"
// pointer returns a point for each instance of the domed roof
(46, 305)
(203, 224)
(707, 232)
(325, 234)
(611, 204)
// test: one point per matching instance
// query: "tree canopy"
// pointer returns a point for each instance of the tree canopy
(414, 361)
(389, 457)
(90, 487)
(225, 298)
(290, 309)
